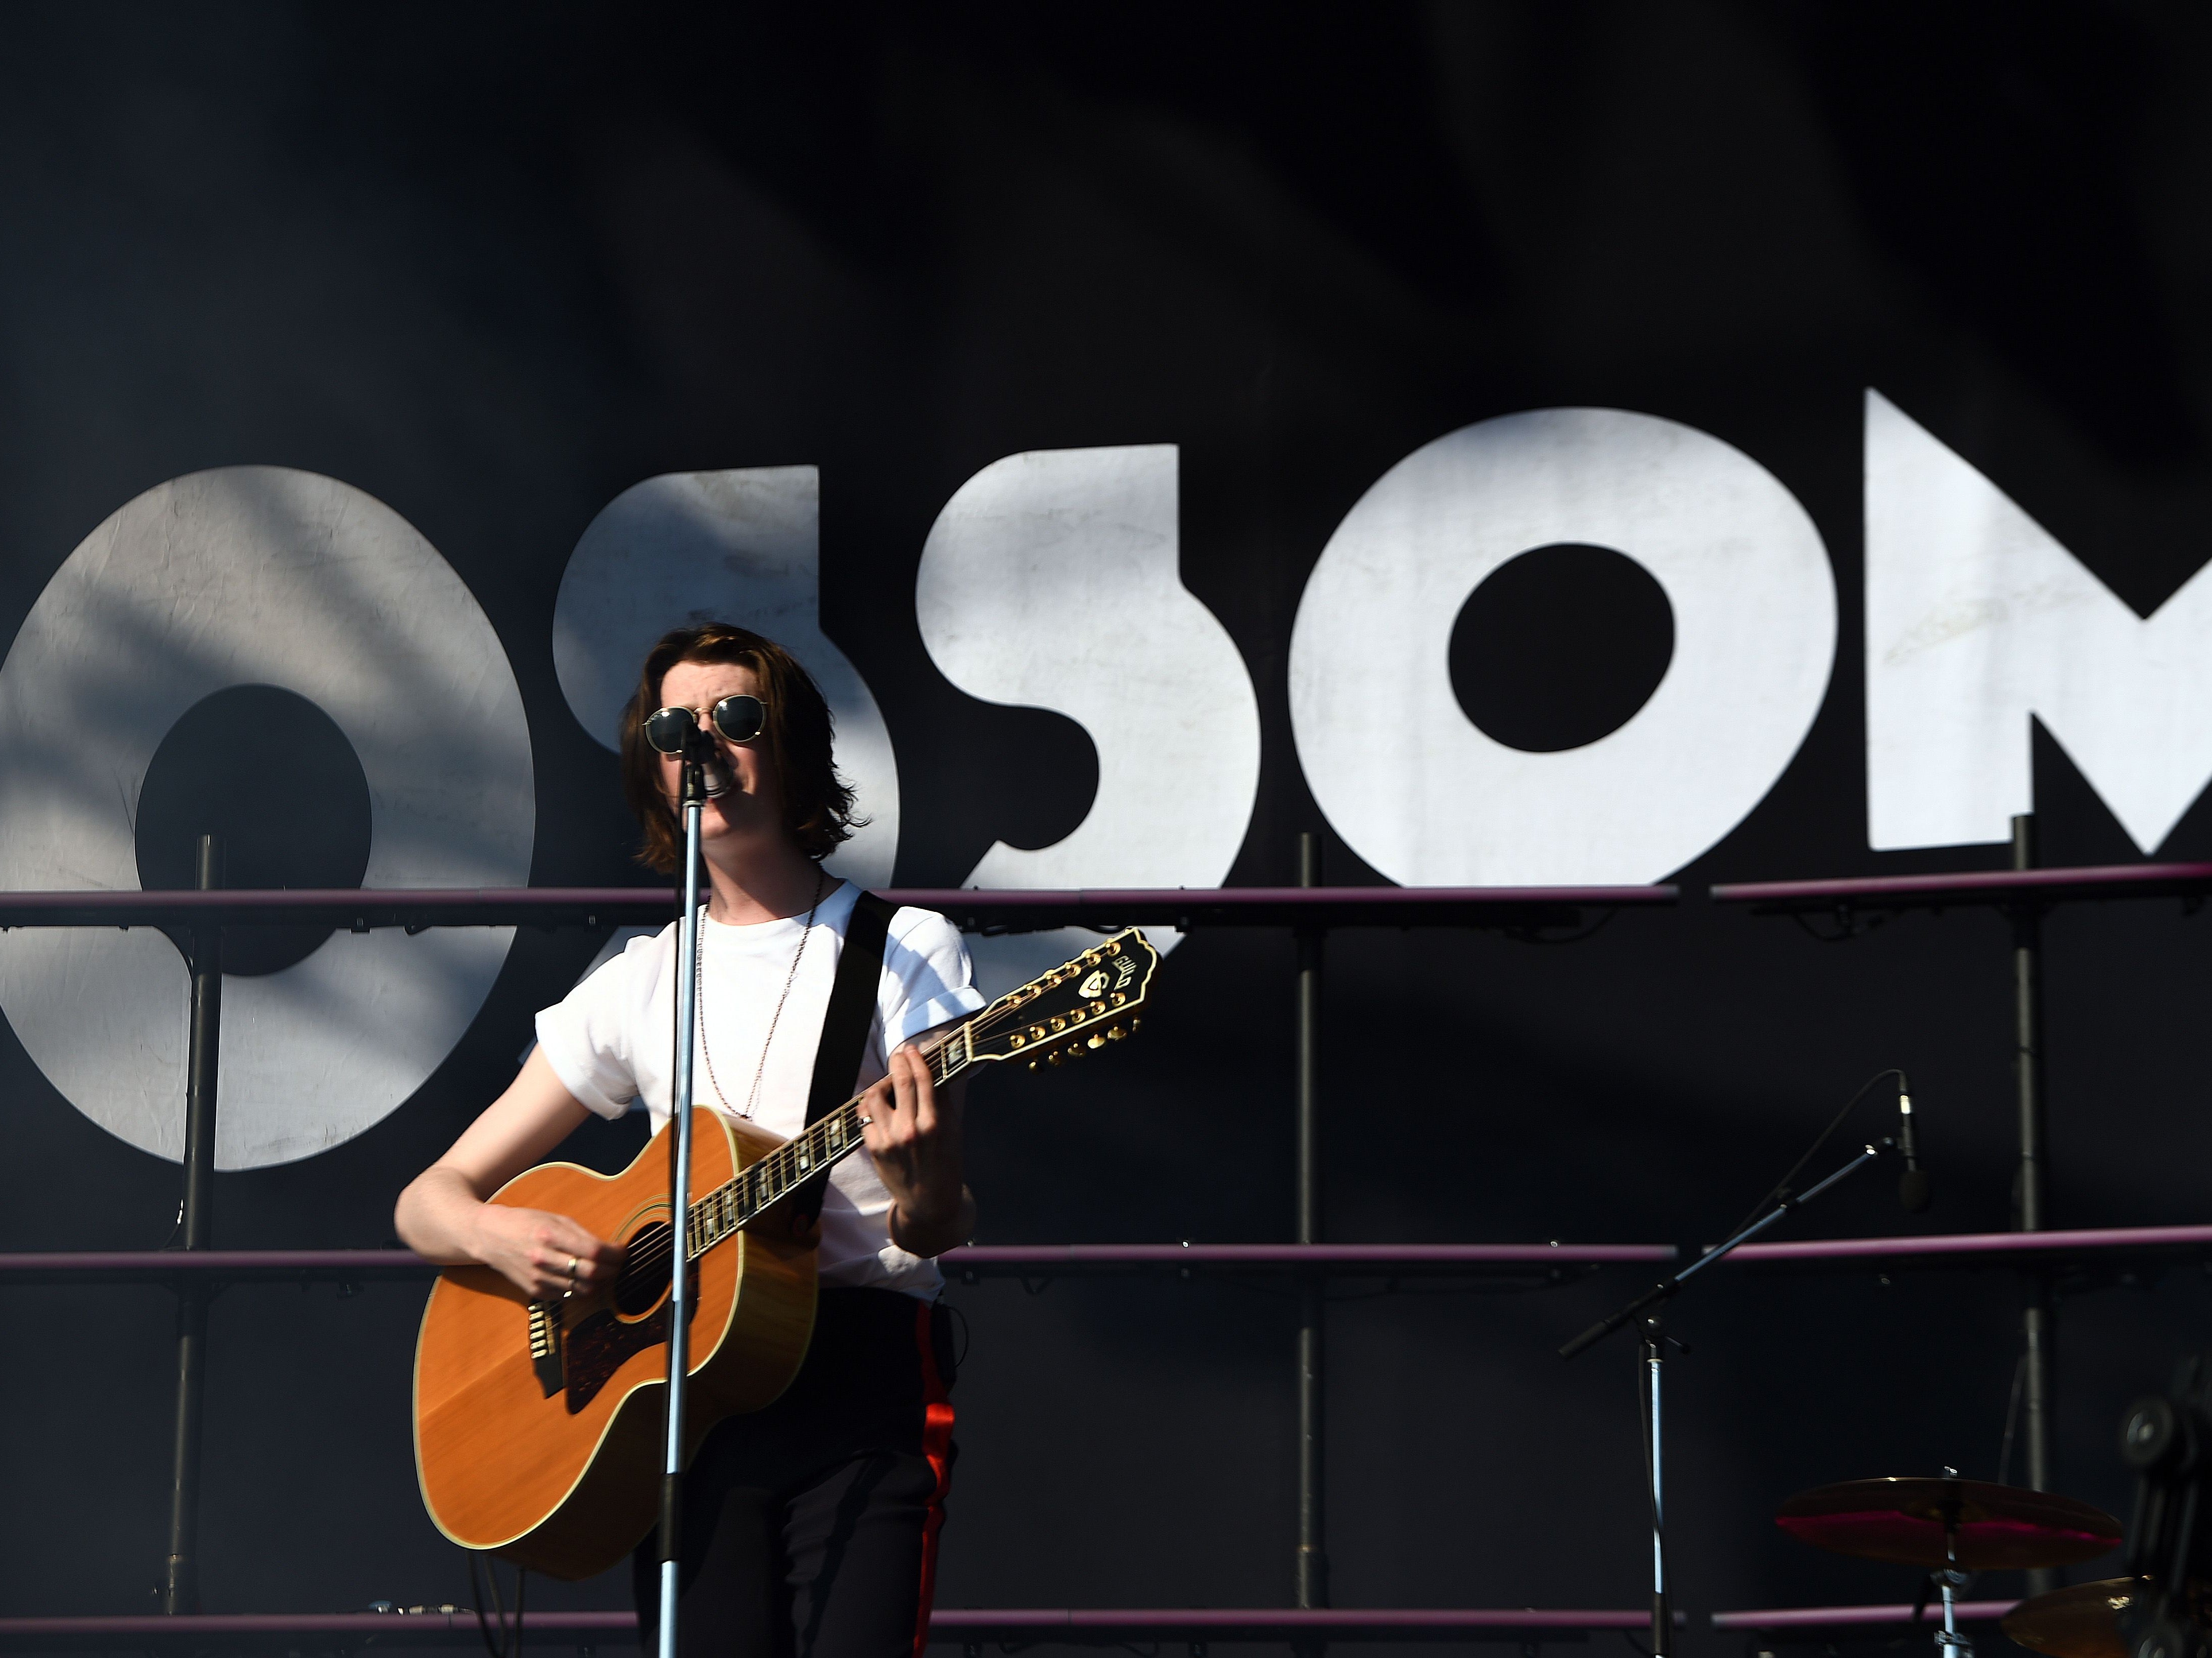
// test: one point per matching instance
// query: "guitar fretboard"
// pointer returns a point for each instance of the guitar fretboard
(820, 1146)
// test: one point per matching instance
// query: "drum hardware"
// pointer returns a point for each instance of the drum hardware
(1951, 1529)
(2165, 1439)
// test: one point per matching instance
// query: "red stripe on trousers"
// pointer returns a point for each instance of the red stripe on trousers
(937, 1446)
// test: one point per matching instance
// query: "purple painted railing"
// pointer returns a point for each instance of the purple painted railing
(1838, 1617)
(1380, 1259)
(360, 909)
(1107, 1626)
(156, 1265)
(1002, 1260)
(1996, 1248)
(1996, 886)
(1033, 1260)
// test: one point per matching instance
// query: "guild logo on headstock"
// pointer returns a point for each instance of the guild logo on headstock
(1093, 986)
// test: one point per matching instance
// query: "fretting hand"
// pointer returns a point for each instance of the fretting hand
(913, 1134)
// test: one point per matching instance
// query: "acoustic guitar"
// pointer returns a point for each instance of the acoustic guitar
(538, 1424)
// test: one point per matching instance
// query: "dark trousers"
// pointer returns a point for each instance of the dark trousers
(808, 1526)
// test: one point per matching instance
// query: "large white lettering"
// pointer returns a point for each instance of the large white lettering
(1977, 621)
(1430, 800)
(257, 575)
(1051, 580)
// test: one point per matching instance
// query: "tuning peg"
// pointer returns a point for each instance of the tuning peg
(1115, 1033)
(1053, 1058)
(1098, 1040)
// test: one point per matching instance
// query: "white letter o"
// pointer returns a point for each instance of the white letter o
(257, 575)
(1427, 798)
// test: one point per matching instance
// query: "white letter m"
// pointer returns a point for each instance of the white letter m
(1976, 621)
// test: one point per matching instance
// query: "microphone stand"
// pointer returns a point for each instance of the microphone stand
(681, 1289)
(1654, 1362)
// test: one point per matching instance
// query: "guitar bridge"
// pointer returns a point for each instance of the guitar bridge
(545, 1346)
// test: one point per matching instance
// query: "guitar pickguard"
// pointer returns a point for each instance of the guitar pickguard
(599, 1344)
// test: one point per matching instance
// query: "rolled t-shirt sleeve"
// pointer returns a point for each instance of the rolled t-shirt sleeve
(586, 1036)
(927, 978)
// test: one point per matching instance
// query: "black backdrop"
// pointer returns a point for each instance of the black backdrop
(493, 265)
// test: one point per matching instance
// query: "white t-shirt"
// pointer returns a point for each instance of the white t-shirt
(610, 1041)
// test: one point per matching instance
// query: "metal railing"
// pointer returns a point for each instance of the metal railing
(195, 920)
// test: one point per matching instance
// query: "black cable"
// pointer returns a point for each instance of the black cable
(960, 1330)
(1538, 936)
(1781, 1189)
(476, 1597)
(509, 1643)
(2012, 1417)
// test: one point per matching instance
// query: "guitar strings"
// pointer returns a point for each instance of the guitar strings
(778, 1167)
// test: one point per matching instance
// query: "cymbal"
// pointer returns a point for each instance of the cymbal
(1907, 1520)
(2082, 1621)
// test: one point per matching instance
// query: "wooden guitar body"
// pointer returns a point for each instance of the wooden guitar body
(538, 1424)
(538, 1428)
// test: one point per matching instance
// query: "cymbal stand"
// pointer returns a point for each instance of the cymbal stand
(1950, 1581)
(1653, 1364)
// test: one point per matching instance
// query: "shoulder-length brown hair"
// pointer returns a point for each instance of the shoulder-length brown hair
(817, 804)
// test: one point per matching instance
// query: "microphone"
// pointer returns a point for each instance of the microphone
(714, 776)
(1912, 1191)
(674, 731)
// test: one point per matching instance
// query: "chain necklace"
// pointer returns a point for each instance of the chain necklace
(698, 998)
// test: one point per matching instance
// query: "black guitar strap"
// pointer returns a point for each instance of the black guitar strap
(845, 1027)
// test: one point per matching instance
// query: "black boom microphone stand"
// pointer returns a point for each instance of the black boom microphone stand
(1644, 1307)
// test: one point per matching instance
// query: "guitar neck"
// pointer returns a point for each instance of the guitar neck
(819, 1147)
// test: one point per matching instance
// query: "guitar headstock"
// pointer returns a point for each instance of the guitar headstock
(1077, 1008)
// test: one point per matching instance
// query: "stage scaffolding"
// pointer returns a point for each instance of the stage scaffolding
(196, 921)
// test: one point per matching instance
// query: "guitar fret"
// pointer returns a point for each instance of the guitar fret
(826, 1143)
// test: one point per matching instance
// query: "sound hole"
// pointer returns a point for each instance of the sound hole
(643, 1279)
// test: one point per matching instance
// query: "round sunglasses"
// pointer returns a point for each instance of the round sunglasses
(739, 719)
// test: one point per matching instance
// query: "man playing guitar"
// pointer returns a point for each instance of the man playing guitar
(809, 1527)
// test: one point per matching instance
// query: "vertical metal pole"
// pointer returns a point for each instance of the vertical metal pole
(1654, 1357)
(2039, 1318)
(1312, 1555)
(181, 1581)
(679, 1218)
